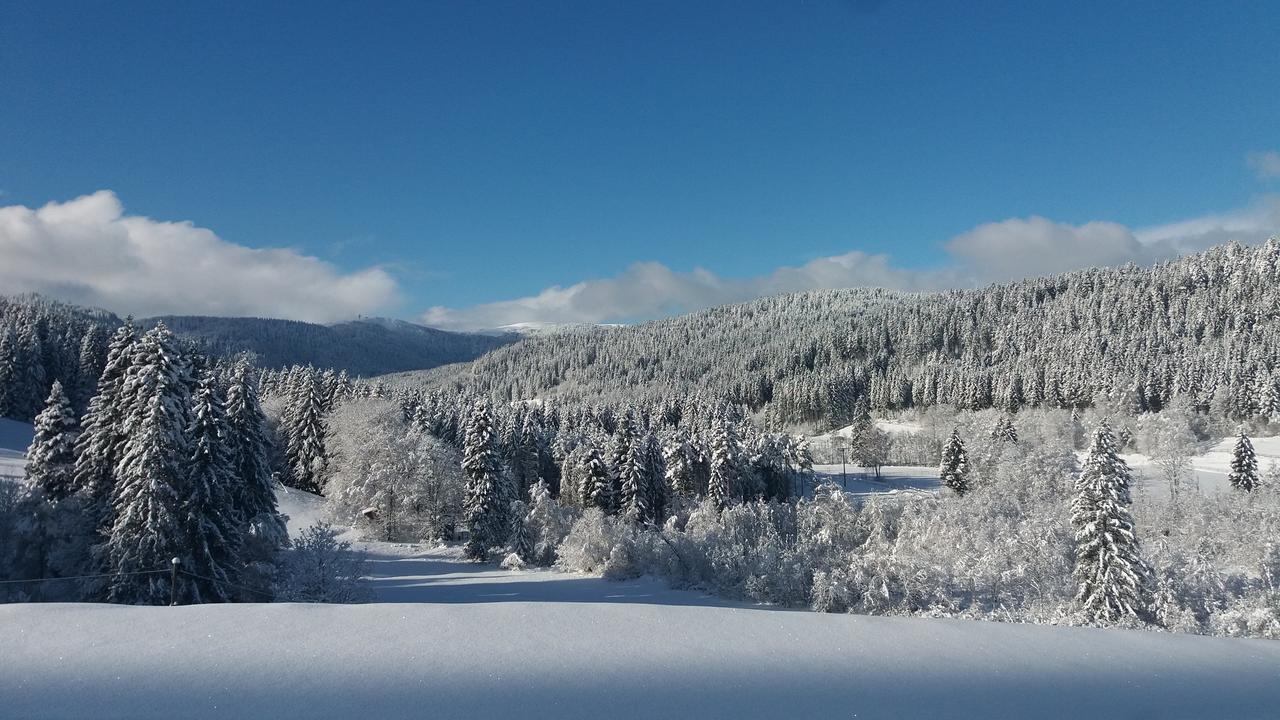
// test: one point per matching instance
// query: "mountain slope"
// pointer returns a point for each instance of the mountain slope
(1205, 327)
(361, 347)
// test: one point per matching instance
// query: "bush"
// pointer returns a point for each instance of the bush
(321, 569)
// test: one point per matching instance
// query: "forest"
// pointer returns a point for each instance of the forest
(615, 452)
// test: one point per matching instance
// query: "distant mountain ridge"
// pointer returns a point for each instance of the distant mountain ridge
(365, 347)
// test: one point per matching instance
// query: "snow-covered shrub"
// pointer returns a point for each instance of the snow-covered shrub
(1254, 615)
(390, 479)
(319, 568)
(590, 542)
(547, 523)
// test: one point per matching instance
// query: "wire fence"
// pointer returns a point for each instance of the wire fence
(173, 572)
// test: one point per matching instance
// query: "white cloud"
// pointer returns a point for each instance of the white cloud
(1265, 164)
(88, 251)
(648, 289)
(1019, 248)
(1015, 248)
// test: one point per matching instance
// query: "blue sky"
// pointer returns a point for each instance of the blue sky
(481, 152)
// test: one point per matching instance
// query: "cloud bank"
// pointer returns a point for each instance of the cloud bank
(1265, 164)
(87, 251)
(993, 252)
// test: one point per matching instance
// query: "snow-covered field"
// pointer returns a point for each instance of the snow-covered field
(448, 638)
(1210, 468)
(453, 639)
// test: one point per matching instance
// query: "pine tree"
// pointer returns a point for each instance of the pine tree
(150, 524)
(309, 458)
(253, 488)
(51, 458)
(1111, 576)
(10, 398)
(46, 517)
(681, 464)
(954, 469)
(521, 537)
(599, 484)
(655, 478)
(102, 439)
(93, 351)
(727, 465)
(480, 464)
(1244, 466)
(214, 526)
(1004, 430)
(633, 482)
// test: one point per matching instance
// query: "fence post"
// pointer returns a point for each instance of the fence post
(173, 581)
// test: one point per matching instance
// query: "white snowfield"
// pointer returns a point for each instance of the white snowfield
(637, 659)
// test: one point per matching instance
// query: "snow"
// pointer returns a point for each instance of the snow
(893, 478)
(15, 438)
(556, 647)
(1210, 468)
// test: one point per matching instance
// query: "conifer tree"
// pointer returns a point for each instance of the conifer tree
(309, 458)
(93, 351)
(681, 464)
(45, 516)
(521, 537)
(954, 468)
(253, 487)
(1110, 574)
(655, 478)
(1244, 466)
(51, 458)
(102, 439)
(633, 482)
(10, 400)
(213, 524)
(480, 464)
(149, 499)
(727, 464)
(599, 484)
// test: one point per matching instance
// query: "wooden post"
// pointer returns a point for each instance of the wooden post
(173, 581)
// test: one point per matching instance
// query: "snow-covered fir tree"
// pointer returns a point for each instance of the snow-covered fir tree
(51, 457)
(150, 524)
(306, 430)
(1244, 466)
(483, 514)
(682, 459)
(46, 522)
(599, 483)
(954, 468)
(728, 467)
(249, 444)
(213, 523)
(10, 376)
(1111, 576)
(101, 442)
(1005, 430)
(521, 535)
